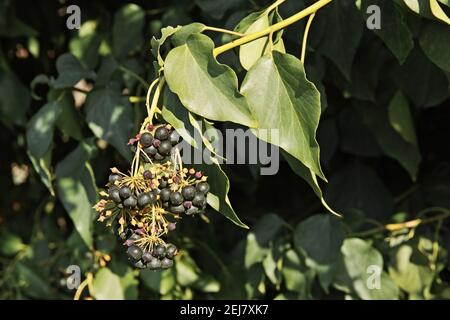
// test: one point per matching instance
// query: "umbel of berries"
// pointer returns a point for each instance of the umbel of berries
(146, 204)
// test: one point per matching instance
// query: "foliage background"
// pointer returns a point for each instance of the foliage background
(384, 138)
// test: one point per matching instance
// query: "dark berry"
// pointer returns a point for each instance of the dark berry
(203, 187)
(177, 209)
(163, 183)
(151, 151)
(114, 195)
(114, 177)
(165, 147)
(156, 143)
(159, 157)
(146, 139)
(135, 252)
(159, 251)
(171, 251)
(164, 195)
(174, 137)
(192, 210)
(130, 202)
(165, 205)
(188, 192)
(166, 263)
(125, 192)
(147, 257)
(148, 175)
(154, 264)
(199, 200)
(161, 133)
(145, 199)
(139, 264)
(176, 198)
(172, 226)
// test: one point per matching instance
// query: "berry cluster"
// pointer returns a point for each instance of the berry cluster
(156, 143)
(146, 204)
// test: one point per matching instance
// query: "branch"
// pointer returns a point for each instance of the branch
(273, 28)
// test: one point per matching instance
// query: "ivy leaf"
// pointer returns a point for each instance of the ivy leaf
(107, 285)
(310, 178)
(42, 167)
(158, 43)
(394, 31)
(40, 129)
(109, 116)
(77, 190)
(162, 282)
(217, 8)
(183, 34)
(128, 30)
(14, 99)
(400, 118)
(358, 188)
(70, 71)
(354, 273)
(421, 81)
(435, 42)
(212, 87)
(343, 31)
(389, 140)
(10, 243)
(297, 278)
(281, 97)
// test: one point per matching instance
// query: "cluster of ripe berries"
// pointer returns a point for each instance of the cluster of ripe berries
(157, 147)
(146, 204)
(159, 257)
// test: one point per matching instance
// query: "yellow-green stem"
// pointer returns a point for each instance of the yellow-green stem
(305, 37)
(273, 28)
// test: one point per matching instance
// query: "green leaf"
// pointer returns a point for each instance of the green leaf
(42, 167)
(69, 120)
(343, 32)
(181, 36)
(40, 129)
(156, 44)
(435, 42)
(297, 278)
(278, 83)
(390, 141)
(394, 31)
(400, 118)
(127, 30)
(85, 46)
(212, 87)
(178, 116)
(162, 282)
(33, 283)
(408, 271)
(109, 116)
(421, 81)
(320, 238)
(14, 99)
(10, 243)
(321, 258)
(217, 8)
(358, 188)
(107, 286)
(187, 272)
(310, 178)
(355, 275)
(77, 190)
(218, 194)
(70, 71)
(250, 52)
